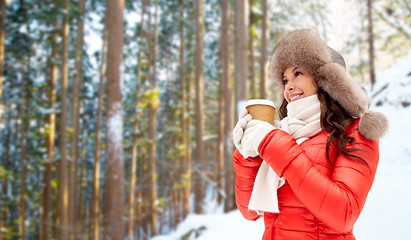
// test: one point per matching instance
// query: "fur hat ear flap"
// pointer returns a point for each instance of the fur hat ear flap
(333, 78)
(373, 125)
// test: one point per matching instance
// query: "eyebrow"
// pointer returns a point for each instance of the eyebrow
(291, 71)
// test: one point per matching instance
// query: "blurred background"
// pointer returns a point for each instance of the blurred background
(116, 116)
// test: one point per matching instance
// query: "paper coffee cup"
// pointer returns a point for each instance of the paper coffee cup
(261, 109)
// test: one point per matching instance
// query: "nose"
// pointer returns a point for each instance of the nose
(288, 87)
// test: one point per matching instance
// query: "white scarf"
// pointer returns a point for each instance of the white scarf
(302, 122)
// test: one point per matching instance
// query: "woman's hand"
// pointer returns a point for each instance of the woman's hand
(254, 133)
(248, 133)
(239, 128)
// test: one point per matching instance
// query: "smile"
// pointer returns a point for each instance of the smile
(295, 97)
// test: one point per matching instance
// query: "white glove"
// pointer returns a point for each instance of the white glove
(254, 133)
(238, 130)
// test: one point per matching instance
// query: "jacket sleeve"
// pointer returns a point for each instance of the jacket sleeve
(336, 201)
(246, 170)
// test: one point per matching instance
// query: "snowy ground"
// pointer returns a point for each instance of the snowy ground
(217, 226)
(387, 212)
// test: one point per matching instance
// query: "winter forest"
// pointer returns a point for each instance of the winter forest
(116, 116)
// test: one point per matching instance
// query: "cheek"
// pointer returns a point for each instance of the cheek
(311, 86)
(286, 94)
(315, 87)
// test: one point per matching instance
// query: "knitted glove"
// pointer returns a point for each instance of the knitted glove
(254, 133)
(238, 130)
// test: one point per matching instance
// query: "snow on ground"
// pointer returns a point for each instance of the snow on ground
(217, 226)
(387, 212)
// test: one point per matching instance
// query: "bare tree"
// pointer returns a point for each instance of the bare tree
(51, 122)
(263, 58)
(224, 81)
(240, 59)
(199, 105)
(114, 200)
(152, 111)
(75, 110)
(230, 109)
(186, 171)
(133, 169)
(5, 184)
(2, 36)
(95, 202)
(251, 55)
(63, 195)
(24, 100)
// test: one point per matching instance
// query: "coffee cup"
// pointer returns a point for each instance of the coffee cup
(261, 109)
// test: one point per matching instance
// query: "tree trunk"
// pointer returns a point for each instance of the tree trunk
(175, 206)
(253, 83)
(82, 198)
(152, 110)
(190, 77)
(142, 195)
(2, 36)
(370, 42)
(152, 158)
(186, 170)
(224, 80)
(199, 105)
(263, 58)
(240, 59)
(114, 200)
(230, 110)
(75, 122)
(95, 202)
(133, 169)
(63, 228)
(5, 184)
(87, 223)
(24, 101)
(51, 122)
(133, 180)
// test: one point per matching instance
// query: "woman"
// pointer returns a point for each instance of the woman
(325, 146)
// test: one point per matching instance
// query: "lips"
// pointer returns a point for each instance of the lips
(295, 97)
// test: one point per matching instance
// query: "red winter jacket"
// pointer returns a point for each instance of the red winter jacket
(319, 200)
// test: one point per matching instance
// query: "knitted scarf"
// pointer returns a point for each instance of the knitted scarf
(302, 122)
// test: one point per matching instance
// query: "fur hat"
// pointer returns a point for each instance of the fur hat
(305, 49)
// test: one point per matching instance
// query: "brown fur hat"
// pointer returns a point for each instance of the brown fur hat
(305, 49)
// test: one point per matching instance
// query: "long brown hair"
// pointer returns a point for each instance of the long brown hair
(334, 120)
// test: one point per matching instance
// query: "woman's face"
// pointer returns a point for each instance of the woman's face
(298, 83)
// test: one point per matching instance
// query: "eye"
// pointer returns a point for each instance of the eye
(285, 81)
(297, 73)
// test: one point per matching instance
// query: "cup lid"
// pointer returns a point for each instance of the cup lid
(260, 102)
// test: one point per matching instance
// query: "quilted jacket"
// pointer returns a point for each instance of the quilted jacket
(321, 199)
